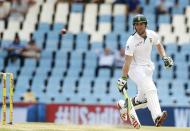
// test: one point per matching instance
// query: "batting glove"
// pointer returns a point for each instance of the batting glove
(122, 83)
(168, 62)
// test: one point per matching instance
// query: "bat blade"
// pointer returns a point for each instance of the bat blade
(131, 111)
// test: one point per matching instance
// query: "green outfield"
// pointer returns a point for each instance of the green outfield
(62, 127)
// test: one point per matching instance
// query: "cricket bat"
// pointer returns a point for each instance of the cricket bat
(131, 111)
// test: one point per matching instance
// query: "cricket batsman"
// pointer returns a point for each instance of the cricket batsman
(139, 67)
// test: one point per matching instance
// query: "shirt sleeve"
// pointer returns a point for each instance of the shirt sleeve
(156, 38)
(130, 47)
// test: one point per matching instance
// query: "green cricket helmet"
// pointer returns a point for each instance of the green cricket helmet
(139, 19)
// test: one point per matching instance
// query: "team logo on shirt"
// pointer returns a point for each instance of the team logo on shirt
(140, 43)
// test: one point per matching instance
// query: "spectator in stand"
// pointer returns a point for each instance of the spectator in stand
(119, 58)
(14, 51)
(31, 50)
(105, 61)
(19, 9)
(4, 9)
(29, 97)
(162, 7)
(133, 5)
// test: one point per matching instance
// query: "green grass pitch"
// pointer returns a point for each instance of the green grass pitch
(62, 127)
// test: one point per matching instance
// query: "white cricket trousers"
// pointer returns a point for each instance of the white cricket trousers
(142, 76)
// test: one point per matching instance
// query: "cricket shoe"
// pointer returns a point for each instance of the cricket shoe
(160, 119)
(123, 111)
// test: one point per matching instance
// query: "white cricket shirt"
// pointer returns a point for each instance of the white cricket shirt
(141, 48)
